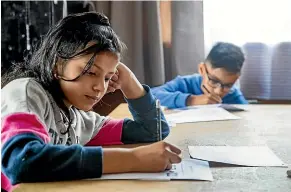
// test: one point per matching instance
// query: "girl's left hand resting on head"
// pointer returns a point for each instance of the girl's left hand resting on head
(126, 81)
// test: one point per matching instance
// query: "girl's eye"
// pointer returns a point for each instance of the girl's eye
(91, 73)
(107, 79)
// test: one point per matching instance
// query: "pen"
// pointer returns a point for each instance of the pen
(159, 123)
(206, 89)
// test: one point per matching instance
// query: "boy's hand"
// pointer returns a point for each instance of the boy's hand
(156, 157)
(203, 99)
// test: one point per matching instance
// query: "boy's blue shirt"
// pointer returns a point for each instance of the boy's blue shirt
(174, 93)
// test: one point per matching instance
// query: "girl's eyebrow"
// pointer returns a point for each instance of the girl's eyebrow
(100, 69)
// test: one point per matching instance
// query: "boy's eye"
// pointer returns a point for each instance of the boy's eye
(214, 81)
(228, 86)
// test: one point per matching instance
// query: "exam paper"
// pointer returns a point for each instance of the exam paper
(227, 107)
(257, 156)
(200, 115)
(190, 169)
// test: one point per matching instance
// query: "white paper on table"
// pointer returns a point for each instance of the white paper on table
(201, 115)
(190, 169)
(257, 156)
(227, 107)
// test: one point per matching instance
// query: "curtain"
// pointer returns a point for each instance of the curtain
(187, 37)
(138, 23)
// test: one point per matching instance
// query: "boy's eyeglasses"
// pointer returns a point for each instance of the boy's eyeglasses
(215, 83)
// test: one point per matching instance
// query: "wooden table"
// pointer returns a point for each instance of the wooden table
(262, 124)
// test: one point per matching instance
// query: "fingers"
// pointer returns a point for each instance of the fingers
(173, 148)
(214, 98)
(110, 90)
(114, 77)
(172, 152)
(114, 84)
(169, 166)
(173, 157)
(212, 101)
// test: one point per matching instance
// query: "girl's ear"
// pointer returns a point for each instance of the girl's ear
(55, 71)
(57, 68)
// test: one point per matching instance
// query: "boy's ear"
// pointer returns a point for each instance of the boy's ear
(201, 68)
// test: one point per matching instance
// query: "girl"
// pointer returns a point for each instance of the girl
(48, 132)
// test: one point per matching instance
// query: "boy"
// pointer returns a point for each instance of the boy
(214, 83)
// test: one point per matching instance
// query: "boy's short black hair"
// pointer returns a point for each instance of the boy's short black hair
(227, 56)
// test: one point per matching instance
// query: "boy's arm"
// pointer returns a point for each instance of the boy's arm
(240, 99)
(173, 94)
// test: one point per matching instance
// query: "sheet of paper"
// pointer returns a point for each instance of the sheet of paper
(228, 107)
(200, 115)
(190, 169)
(257, 156)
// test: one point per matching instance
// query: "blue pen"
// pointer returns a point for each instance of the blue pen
(159, 120)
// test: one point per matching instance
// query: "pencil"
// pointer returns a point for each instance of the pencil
(159, 121)
(206, 89)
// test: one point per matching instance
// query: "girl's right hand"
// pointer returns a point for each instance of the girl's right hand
(156, 157)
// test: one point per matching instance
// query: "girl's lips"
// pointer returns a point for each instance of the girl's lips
(93, 98)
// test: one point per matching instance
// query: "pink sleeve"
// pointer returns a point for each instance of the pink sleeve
(19, 123)
(109, 134)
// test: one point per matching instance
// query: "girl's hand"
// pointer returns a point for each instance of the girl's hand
(114, 83)
(155, 157)
(125, 80)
